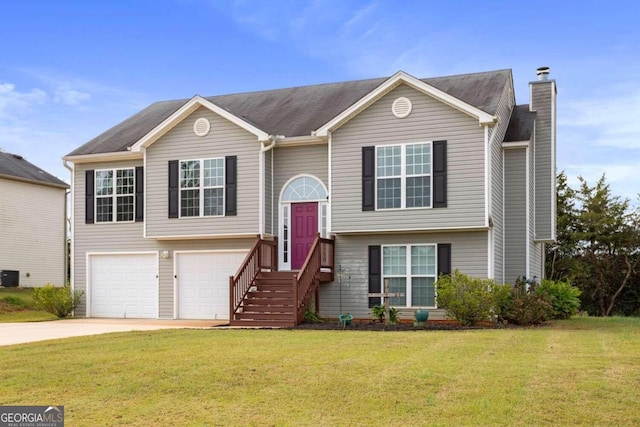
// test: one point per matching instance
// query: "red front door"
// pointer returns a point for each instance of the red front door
(304, 227)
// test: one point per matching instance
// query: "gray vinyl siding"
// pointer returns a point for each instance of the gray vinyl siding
(468, 254)
(505, 107)
(542, 97)
(537, 257)
(180, 143)
(33, 224)
(268, 193)
(291, 161)
(128, 238)
(515, 214)
(430, 120)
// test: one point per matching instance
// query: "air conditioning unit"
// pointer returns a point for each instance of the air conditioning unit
(9, 278)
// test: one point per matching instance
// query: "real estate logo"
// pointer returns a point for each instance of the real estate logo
(31, 416)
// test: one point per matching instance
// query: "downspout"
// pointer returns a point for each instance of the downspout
(68, 232)
(263, 149)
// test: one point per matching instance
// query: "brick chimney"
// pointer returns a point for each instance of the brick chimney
(543, 101)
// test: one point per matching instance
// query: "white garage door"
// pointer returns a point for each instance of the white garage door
(124, 286)
(203, 283)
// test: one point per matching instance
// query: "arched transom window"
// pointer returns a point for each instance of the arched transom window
(304, 188)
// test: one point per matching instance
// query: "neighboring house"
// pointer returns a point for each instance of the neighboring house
(33, 224)
(406, 179)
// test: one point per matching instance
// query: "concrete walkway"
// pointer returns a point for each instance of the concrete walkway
(18, 333)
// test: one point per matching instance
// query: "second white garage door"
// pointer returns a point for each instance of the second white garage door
(203, 283)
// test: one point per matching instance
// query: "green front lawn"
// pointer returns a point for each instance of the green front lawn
(583, 371)
(16, 305)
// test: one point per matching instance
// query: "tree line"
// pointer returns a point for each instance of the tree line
(597, 248)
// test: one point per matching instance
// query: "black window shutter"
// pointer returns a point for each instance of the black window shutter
(139, 193)
(368, 178)
(173, 188)
(444, 258)
(375, 274)
(231, 185)
(88, 197)
(439, 174)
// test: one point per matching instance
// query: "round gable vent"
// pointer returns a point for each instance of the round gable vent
(401, 107)
(201, 127)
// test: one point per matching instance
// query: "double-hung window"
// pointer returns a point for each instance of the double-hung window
(410, 270)
(115, 191)
(403, 176)
(202, 187)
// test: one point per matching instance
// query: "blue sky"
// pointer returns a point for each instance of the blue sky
(69, 70)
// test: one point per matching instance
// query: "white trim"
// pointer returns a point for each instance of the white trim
(330, 178)
(296, 141)
(412, 230)
(144, 195)
(175, 270)
(114, 196)
(403, 175)
(272, 196)
(528, 216)
(201, 188)
(72, 255)
(204, 236)
(183, 112)
(104, 157)
(515, 144)
(408, 273)
(88, 284)
(261, 186)
(391, 83)
(487, 162)
(282, 265)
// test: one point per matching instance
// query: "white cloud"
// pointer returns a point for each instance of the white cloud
(610, 121)
(13, 102)
(70, 96)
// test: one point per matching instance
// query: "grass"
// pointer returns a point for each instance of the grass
(583, 371)
(16, 305)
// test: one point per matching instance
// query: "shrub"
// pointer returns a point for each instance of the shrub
(564, 297)
(377, 311)
(526, 306)
(55, 300)
(468, 300)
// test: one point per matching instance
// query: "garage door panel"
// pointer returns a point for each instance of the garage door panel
(203, 283)
(124, 285)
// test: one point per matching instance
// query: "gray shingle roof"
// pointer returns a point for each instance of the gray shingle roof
(296, 111)
(521, 124)
(16, 166)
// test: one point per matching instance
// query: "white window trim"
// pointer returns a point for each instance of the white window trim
(201, 188)
(403, 176)
(114, 196)
(408, 274)
(284, 210)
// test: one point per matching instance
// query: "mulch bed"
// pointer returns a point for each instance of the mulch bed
(434, 325)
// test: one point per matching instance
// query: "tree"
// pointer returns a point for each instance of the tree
(598, 246)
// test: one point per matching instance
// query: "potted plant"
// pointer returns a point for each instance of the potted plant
(421, 315)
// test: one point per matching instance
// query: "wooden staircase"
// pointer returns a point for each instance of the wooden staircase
(261, 296)
(270, 302)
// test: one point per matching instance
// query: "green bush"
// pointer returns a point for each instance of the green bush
(526, 306)
(377, 311)
(564, 297)
(468, 300)
(58, 301)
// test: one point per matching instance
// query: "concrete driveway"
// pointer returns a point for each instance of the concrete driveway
(18, 333)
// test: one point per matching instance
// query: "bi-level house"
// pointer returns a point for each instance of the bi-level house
(245, 206)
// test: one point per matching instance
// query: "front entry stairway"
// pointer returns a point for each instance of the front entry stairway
(260, 295)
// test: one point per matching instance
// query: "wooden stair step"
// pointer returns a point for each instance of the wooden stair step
(264, 316)
(267, 309)
(263, 323)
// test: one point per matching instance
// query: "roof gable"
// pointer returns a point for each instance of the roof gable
(394, 81)
(15, 166)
